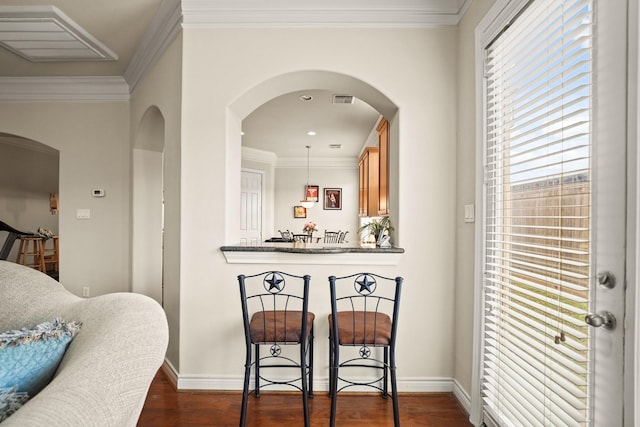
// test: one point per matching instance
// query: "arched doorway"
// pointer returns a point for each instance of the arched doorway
(148, 206)
(29, 175)
(293, 82)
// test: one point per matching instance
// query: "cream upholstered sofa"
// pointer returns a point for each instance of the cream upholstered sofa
(105, 374)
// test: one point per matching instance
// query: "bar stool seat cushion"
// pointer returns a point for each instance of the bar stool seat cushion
(351, 328)
(278, 326)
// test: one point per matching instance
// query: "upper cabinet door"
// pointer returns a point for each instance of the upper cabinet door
(369, 182)
(383, 167)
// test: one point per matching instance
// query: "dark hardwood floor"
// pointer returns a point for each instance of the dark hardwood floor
(167, 407)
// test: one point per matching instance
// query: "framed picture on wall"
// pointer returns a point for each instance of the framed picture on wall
(332, 198)
(313, 193)
(299, 212)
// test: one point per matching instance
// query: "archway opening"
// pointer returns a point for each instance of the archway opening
(148, 206)
(29, 191)
(295, 82)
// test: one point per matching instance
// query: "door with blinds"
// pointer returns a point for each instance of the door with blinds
(554, 214)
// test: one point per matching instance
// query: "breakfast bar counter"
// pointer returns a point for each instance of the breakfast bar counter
(311, 253)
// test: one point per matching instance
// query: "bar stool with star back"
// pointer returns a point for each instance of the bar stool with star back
(363, 323)
(275, 312)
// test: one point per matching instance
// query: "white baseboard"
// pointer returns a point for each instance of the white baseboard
(171, 372)
(234, 382)
(462, 396)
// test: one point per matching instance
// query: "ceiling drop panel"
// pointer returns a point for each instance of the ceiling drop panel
(45, 34)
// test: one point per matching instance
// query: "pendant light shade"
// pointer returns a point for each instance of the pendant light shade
(306, 202)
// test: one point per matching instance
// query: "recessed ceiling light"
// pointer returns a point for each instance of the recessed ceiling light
(306, 97)
(311, 133)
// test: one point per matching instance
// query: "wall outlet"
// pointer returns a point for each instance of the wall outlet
(85, 291)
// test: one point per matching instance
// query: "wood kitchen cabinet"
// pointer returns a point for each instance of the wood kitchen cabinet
(383, 168)
(368, 182)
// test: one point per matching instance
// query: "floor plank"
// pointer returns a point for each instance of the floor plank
(167, 407)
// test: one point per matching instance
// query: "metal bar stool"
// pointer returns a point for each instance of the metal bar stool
(275, 313)
(364, 317)
(31, 246)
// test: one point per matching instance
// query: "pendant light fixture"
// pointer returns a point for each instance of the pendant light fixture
(306, 202)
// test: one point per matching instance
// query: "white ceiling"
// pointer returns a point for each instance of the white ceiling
(280, 126)
(129, 27)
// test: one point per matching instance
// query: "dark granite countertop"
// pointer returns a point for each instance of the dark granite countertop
(311, 248)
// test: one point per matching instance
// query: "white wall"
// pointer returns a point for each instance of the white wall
(465, 192)
(290, 183)
(92, 138)
(146, 251)
(416, 69)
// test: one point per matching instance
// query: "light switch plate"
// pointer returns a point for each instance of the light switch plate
(469, 213)
(83, 213)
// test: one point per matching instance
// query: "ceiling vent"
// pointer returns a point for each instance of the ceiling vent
(45, 34)
(335, 146)
(343, 99)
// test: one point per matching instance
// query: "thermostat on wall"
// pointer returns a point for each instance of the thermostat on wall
(97, 192)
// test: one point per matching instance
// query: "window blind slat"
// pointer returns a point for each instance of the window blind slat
(564, 250)
(506, 279)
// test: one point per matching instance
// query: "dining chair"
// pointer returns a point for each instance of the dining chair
(275, 315)
(343, 237)
(363, 322)
(332, 236)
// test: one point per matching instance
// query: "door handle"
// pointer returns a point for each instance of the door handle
(605, 319)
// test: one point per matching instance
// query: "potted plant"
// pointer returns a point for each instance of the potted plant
(377, 227)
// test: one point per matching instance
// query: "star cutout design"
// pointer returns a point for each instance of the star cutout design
(366, 285)
(365, 352)
(274, 283)
(275, 350)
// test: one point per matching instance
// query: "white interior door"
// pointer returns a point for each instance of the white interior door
(554, 218)
(251, 207)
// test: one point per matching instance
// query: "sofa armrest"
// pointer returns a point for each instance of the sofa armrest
(107, 369)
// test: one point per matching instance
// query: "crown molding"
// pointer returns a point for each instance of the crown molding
(81, 88)
(164, 28)
(175, 14)
(331, 13)
(260, 156)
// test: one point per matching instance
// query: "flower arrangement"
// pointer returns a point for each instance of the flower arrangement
(310, 227)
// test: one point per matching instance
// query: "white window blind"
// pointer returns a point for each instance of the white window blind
(538, 75)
